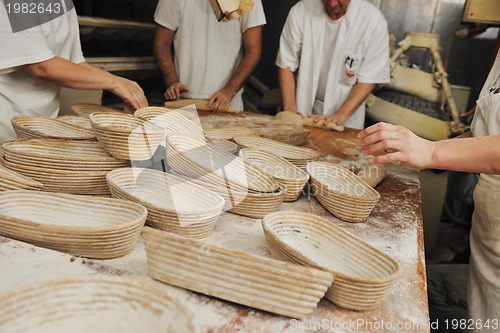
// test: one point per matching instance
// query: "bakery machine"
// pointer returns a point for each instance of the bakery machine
(417, 99)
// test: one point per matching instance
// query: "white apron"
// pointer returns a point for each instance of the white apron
(484, 274)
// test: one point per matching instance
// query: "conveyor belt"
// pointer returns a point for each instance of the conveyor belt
(413, 103)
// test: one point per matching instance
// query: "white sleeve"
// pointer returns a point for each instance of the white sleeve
(167, 14)
(76, 54)
(255, 18)
(23, 47)
(290, 42)
(375, 67)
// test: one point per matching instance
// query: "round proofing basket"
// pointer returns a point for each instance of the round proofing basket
(108, 229)
(174, 204)
(126, 137)
(363, 275)
(293, 136)
(106, 304)
(341, 192)
(280, 169)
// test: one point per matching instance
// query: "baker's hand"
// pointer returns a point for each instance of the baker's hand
(219, 102)
(175, 90)
(334, 118)
(394, 143)
(326, 120)
(129, 91)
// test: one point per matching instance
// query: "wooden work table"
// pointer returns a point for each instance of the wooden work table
(395, 227)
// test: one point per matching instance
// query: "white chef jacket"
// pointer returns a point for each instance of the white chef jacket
(484, 274)
(361, 54)
(20, 92)
(207, 52)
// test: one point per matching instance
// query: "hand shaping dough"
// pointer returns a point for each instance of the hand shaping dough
(296, 119)
(310, 122)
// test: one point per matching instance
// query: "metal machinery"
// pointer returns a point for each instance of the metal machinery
(425, 101)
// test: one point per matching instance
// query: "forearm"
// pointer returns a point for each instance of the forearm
(480, 155)
(286, 80)
(162, 48)
(242, 72)
(357, 96)
(252, 42)
(71, 75)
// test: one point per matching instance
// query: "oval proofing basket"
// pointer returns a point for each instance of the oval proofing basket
(363, 275)
(341, 192)
(106, 304)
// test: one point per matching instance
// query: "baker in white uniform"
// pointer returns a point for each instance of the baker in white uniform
(481, 154)
(36, 61)
(212, 59)
(340, 49)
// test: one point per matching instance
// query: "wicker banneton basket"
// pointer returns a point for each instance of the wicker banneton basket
(153, 111)
(363, 275)
(126, 137)
(263, 283)
(293, 136)
(11, 180)
(82, 122)
(298, 156)
(341, 192)
(108, 229)
(82, 305)
(227, 146)
(171, 121)
(228, 133)
(287, 174)
(194, 158)
(251, 204)
(69, 166)
(45, 127)
(174, 204)
(86, 109)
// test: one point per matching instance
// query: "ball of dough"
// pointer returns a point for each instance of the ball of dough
(290, 117)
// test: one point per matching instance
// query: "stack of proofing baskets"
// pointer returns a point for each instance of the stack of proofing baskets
(67, 166)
